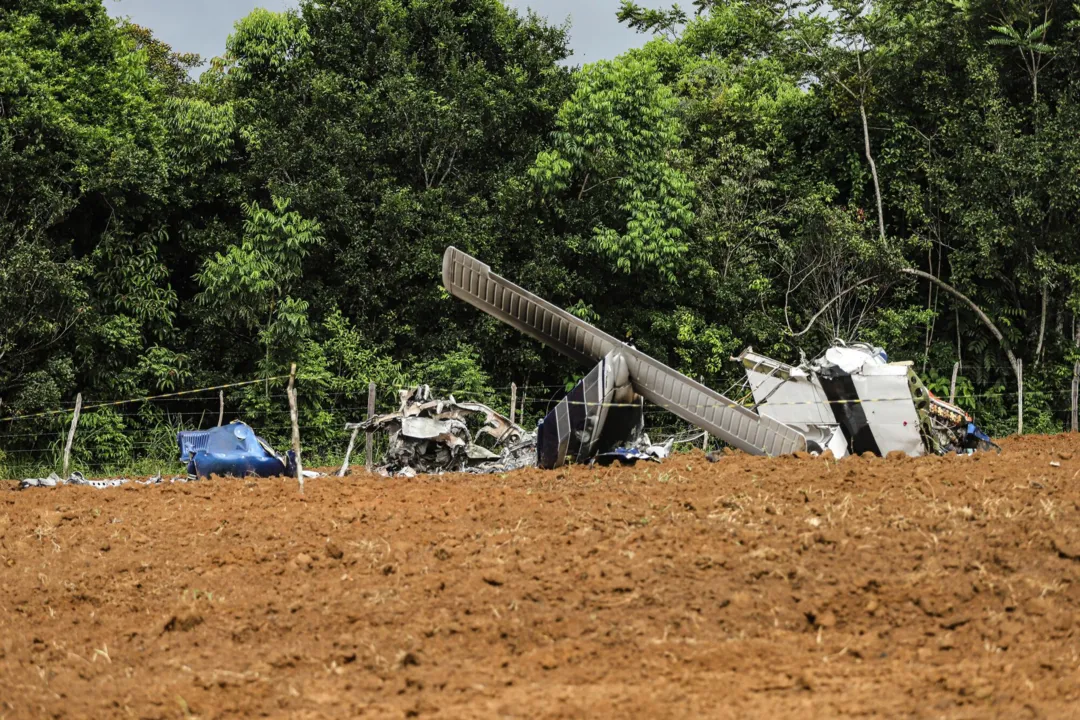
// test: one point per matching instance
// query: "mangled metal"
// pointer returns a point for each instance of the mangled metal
(467, 278)
(232, 450)
(852, 400)
(601, 413)
(431, 435)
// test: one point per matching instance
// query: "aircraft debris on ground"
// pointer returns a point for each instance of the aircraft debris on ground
(431, 435)
(600, 419)
(78, 479)
(233, 450)
(851, 400)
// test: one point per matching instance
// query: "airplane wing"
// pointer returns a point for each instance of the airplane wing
(467, 278)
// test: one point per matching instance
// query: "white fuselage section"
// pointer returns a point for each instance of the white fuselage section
(851, 401)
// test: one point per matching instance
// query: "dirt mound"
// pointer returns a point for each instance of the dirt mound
(938, 587)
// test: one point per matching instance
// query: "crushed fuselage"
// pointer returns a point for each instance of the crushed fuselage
(853, 400)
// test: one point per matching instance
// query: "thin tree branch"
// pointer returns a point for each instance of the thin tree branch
(974, 308)
(873, 171)
(826, 307)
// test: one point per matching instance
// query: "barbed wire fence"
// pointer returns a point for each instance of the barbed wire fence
(138, 435)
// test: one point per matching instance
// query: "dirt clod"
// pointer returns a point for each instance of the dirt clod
(183, 624)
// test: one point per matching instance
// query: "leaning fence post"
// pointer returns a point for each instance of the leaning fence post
(370, 433)
(952, 383)
(1019, 397)
(221, 407)
(513, 401)
(71, 434)
(294, 416)
(705, 443)
(348, 451)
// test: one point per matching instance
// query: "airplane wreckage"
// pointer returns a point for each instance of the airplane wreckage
(852, 400)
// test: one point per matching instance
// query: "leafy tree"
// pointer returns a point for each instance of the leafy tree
(253, 283)
(616, 148)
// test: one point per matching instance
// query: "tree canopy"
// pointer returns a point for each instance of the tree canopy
(775, 173)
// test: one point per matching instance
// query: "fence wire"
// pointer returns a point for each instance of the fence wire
(131, 431)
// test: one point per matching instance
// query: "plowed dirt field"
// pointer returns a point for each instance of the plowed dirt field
(750, 587)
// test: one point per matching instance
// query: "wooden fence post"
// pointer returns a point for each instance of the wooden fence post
(221, 407)
(295, 417)
(1019, 397)
(705, 443)
(513, 400)
(370, 434)
(952, 383)
(1075, 394)
(1076, 378)
(71, 435)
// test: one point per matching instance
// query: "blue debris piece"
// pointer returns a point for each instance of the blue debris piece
(977, 433)
(233, 450)
(976, 439)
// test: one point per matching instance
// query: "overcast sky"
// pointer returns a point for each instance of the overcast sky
(201, 26)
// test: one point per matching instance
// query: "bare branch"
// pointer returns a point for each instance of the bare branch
(974, 308)
(873, 171)
(826, 307)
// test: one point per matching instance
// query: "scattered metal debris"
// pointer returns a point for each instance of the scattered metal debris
(77, 478)
(852, 400)
(643, 449)
(232, 450)
(430, 435)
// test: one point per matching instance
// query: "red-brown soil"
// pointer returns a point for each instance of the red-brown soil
(752, 587)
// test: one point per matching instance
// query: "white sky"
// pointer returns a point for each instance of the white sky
(201, 26)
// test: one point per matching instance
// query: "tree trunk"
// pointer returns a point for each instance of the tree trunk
(873, 170)
(1042, 324)
(952, 383)
(1075, 394)
(1076, 378)
(1020, 398)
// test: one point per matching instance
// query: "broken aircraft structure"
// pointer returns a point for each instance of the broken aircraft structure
(232, 450)
(430, 435)
(600, 419)
(852, 400)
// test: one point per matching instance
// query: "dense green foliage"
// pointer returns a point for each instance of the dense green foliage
(760, 172)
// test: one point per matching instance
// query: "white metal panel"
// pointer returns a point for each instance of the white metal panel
(799, 401)
(890, 411)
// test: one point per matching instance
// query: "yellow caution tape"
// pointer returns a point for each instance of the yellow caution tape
(747, 405)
